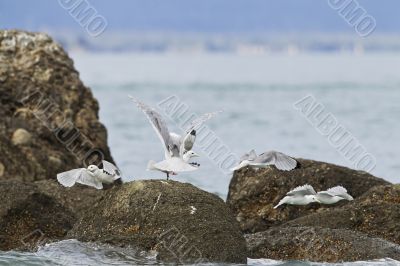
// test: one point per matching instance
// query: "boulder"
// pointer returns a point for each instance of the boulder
(29, 218)
(253, 194)
(78, 199)
(376, 213)
(182, 223)
(49, 119)
(318, 245)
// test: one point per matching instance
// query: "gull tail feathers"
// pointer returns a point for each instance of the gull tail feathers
(150, 165)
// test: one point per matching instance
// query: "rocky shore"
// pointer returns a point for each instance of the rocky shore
(50, 124)
(363, 229)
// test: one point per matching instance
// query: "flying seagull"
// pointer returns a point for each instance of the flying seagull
(301, 195)
(91, 176)
(333, 195)
(280, 160)
(177, 149)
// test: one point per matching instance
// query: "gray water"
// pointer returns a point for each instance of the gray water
(257, 96)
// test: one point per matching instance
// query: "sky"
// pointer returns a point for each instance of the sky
(282, 16)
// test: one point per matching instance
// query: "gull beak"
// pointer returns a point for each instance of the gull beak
(195, 155)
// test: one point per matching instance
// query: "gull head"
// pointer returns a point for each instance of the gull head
(92, 168)
(189, 154)
(312, 198)
(242, 164)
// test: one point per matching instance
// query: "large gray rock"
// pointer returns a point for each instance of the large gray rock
(49, 119)
(29, 218)
(318, 244)
(376, 213)
(253, 194)
(179, 221)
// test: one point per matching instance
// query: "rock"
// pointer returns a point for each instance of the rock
(318, 245)
(21, 137)
(181, 222)
(44, 104)
(2, 169)
(78, 199)
(252, 194)
(29, 218)
(376, 213)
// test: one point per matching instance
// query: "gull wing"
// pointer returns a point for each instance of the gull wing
(280, 160)
(324, 196)
(196, 123)
(69, 178)
(244, 157)
(111, 169)
(159, 126)
(189, 138)
(85, 178)
(252, 155)
(339, 191)
(302, 191)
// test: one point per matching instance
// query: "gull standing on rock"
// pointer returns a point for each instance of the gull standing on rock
(91, 176)
(301, 195)
(333, 195)
(280, 160)
(177, 149)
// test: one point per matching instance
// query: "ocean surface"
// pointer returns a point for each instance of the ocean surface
(257, 95)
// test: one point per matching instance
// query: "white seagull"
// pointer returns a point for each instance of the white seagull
(177, 149)
(301, 195)
(91, 176)
(280, 160)
(333, 195)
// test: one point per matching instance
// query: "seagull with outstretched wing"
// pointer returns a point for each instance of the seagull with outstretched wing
(280, 160)
(177, 149)
(301, 195)
(333, 195)
(92, 176)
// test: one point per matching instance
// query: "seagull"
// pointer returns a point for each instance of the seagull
(92, 176)
(280, 160)
(301, 195)
(177, 148)
(333, 195)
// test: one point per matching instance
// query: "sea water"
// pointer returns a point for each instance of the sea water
(257, 96)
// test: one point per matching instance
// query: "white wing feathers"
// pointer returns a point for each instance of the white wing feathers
(339, 191)
(85, 178)
(158, 124)
(69, 178)
(187, 140)
(252, 155)
(111, 169)
(280, 160)
(196, 123)
(80, 175)
(302, 191)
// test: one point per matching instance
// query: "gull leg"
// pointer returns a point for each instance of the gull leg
(167, 175)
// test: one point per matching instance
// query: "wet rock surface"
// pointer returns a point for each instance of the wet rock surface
(253, 194)
(179, 221)
(318, 244)
(49, 119)
(29, 218)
